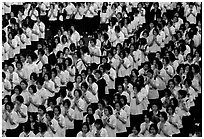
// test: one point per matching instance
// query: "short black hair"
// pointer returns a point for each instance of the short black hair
(110, 110)
(99, 121)
(67, 101)
(50, 114)
(58, 107)
(19, 88)
(43, 127)
(79, 91)
(164, 115)
(20, 99)
(42, 107)
(33, 87)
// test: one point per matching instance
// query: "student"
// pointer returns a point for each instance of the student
(109, 121)
(85, 131)
(121, 117)
(61, 121)
(153, 131)
(145, 126)
(135, 132)
(68, 114)
(126, 108)
(43, 131)
(99, 130)
(41, 114)
(11, 119)
(27, 131)
(34, 100)
(41, 92)
(22, 112)
(78, 106)
(164, 126)
(174, 120)
(17, 92)
(52, 124)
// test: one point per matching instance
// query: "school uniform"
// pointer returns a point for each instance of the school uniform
(30, 134)
(78, 116)
(80, 134)
(46, 134)
(36, 99)
(50, 85)
(12, 128)
(166, 127)
(143, 127)
(102, 133)
(121, 127)
(56, 127)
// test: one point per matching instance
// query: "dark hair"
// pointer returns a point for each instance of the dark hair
(40, 81)
(34, 76)
(79, 91)
(63, 92)
(58, 107)
(27, 127)
(85, 85)
(10, 104)
(19, 88)
(8, 97)
(167, 91)
(124, 98)
(43, 127)
(91, 118)
(50, 114)
(175, 101)
(99, 121)
(70, 86)
(183, 93)
(67, 101)
(92, 77)
(120, 85)
(170, 106)
(110, 110)
(42, 107)
(20, 99)
(33, 87)
(121, 105)
(87, 125)
(102, 103)
(154, 126)
(25, 82)
(164, 115)
(178, 78)
(48, 74)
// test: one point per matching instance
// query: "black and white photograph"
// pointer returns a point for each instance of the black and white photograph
(101, 69)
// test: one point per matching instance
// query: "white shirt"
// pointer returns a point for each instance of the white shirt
(55, 125)
(36, 99)
(30, 134)
(53, 16)
(28, 35)
(75, 37)
(23, 39)
(78, 115)
(113, 121)
(60, 132)
(122, 72)
(35, 37)
(68, 124)
(41, 26)
(121, 127)
(176, 120)
(103, 132)
(6, 49)
(89, 134)
(29, 68)
(25, 94)
(34, 15)
(50, 84)
(14, 118)
(23, 109)
(96, 50)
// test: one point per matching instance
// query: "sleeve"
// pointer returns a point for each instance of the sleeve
(14, 43)
(127, 63)
(81, 105)
(95, 88)
(14, 117)
(16, 79)
(114, 121)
